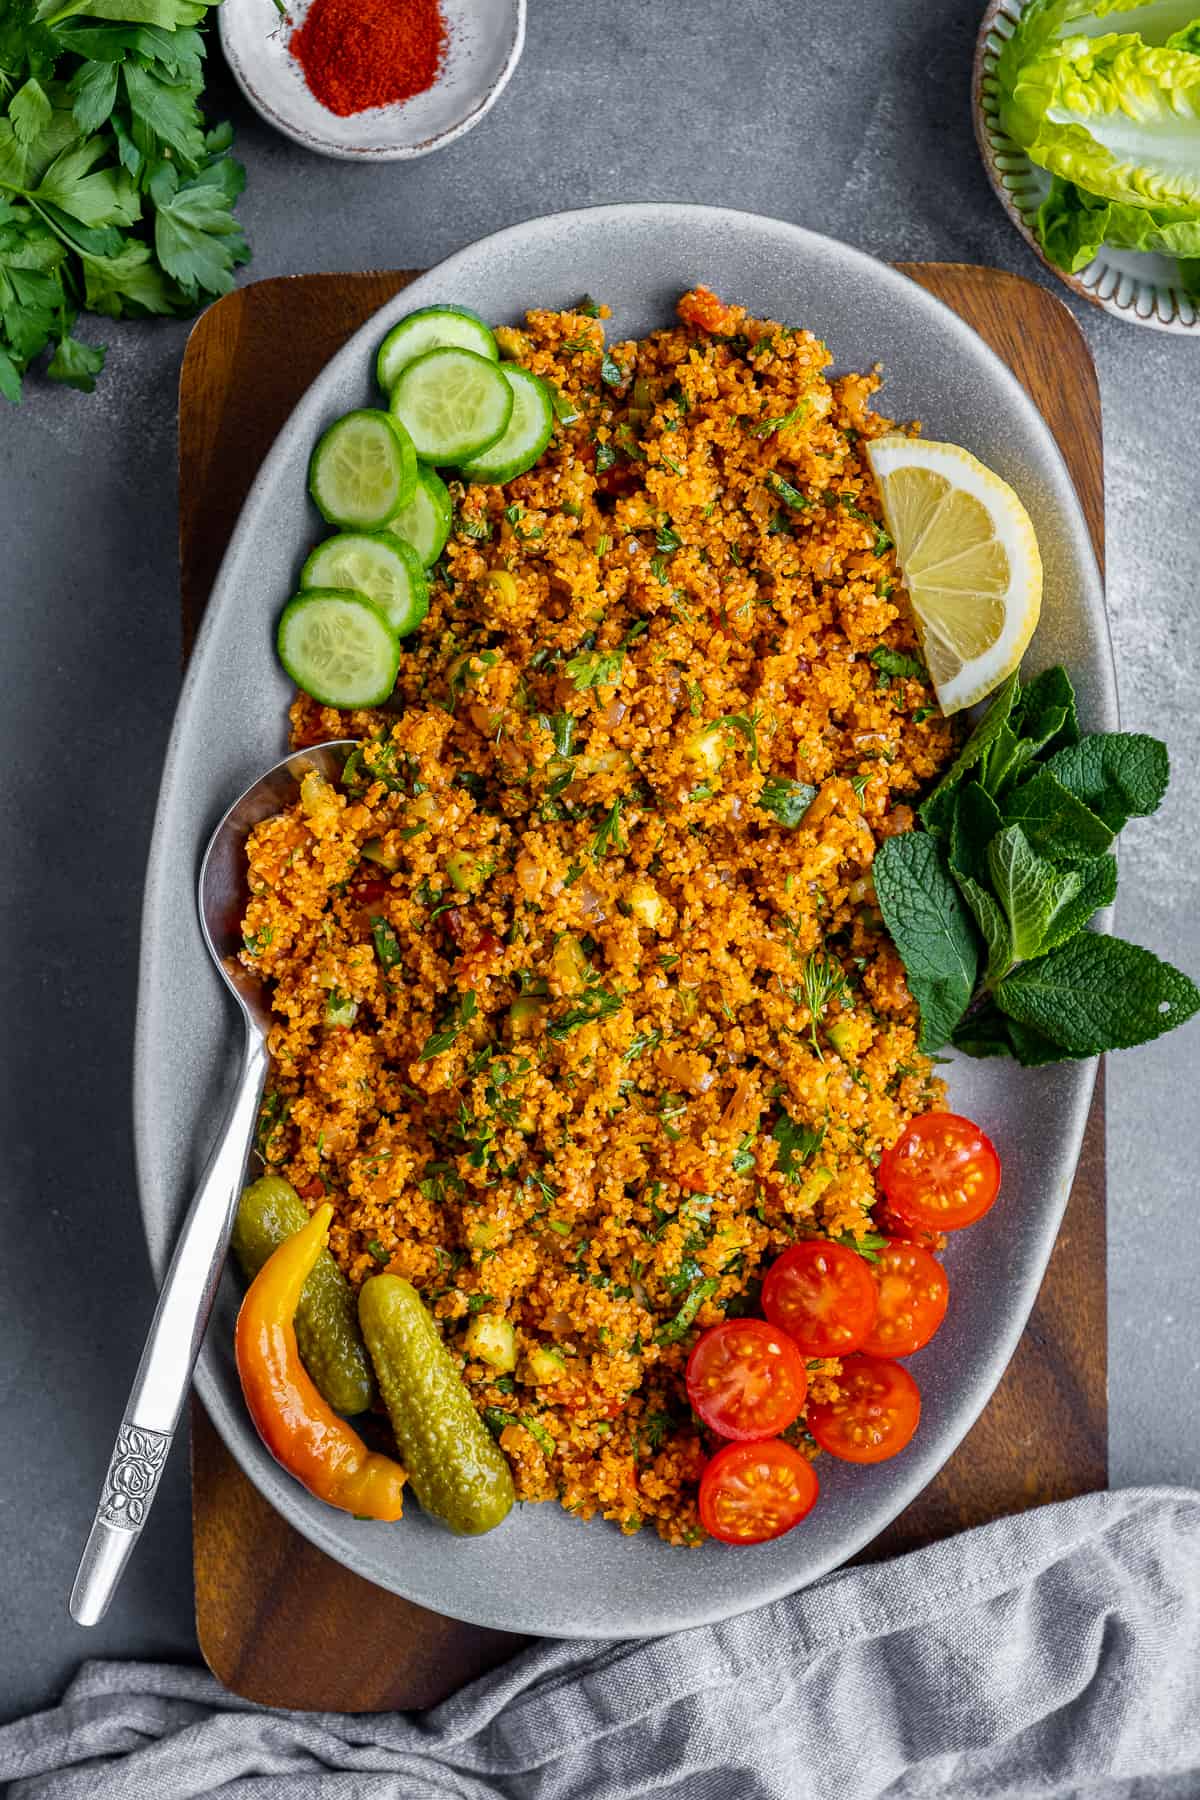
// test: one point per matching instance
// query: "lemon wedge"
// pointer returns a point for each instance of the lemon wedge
(969, 557)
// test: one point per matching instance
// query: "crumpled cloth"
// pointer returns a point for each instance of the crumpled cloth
(1052, 1654)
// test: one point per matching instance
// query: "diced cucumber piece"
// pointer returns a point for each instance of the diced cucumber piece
(375, 563)
(527, 435)
(431, 328)
(338, 647)
(424, 519)
(453, 404)
(363, 469)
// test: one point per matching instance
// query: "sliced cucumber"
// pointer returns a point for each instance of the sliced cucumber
(375, 563)
(431, 328)
(363, 469)
(424, 520)
(454, 405)
(527, 435)
(339, 648)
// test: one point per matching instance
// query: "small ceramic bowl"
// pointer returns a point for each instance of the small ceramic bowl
(1130, 284)
(484, 43)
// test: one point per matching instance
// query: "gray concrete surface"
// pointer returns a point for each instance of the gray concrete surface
(858, 129)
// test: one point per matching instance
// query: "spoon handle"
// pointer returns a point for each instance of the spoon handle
(176, 1333)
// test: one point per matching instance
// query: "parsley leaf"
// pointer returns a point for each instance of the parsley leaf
(594, 668)
(891, 663)
(460, 1016)
(786, 800)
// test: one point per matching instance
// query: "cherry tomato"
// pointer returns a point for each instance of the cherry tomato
(368, 890)
(913, 1295)
(874, 1416)
(823, 1295)
(941, 1173)
(888, 1221)
(746, 1379)
(752, 1492)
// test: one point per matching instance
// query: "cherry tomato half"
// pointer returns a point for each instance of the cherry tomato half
(746, 1379)
(941, 1173)
(874, 1416)
(750, 1493)
(823, 1295)
(913, 1295)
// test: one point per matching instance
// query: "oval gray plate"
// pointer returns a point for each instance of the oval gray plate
(543, 1571)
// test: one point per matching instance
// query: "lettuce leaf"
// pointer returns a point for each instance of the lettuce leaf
(1072, 225)
(1117, 117)
(1044, 22)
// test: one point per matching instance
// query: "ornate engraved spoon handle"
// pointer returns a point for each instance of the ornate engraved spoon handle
(165, 1371)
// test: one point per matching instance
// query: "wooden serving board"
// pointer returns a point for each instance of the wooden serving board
(278, 1621)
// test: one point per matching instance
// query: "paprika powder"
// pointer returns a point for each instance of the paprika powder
(356, 54)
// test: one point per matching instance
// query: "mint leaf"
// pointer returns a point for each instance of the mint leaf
(931, 929)
(972, 752)
(994, 926)
(1036, 715)
(785, 800)
(77, 365)
(1119, 775)
(1057, 824)
(1097, 888)
(1098, 993)
(976, 821)
(986, 1031)
(1030, 889)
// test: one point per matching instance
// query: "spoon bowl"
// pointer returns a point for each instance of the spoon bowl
(185, 1300)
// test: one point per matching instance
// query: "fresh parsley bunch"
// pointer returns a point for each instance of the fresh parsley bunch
(114, 198)
(988, 904)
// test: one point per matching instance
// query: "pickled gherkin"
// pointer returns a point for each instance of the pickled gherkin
(331, 1348)
(455, 1468)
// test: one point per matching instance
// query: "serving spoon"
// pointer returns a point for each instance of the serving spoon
(189, 1288)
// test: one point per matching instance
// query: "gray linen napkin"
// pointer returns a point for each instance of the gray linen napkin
(1053, 1654)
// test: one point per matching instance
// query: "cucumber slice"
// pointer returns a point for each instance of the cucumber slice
(424, 520)
(431, 328)
(384, 568)
(528, 431)
(339, 648)
(454, 405)
(363, 469)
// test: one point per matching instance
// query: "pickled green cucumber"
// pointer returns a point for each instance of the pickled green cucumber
(456, 1469)
(326, 1324)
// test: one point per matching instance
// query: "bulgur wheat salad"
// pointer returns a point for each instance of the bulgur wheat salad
(584, 1010)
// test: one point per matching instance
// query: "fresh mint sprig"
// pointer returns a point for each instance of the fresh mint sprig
(987, 903)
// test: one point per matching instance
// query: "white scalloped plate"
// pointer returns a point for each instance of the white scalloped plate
(1131, 284)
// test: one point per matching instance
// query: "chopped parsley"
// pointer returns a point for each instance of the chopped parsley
(680, 1325)
(387, 944)
(608, 836)
(460, 1016)
(797, 1144)
(786, 800)
(593, 1003)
